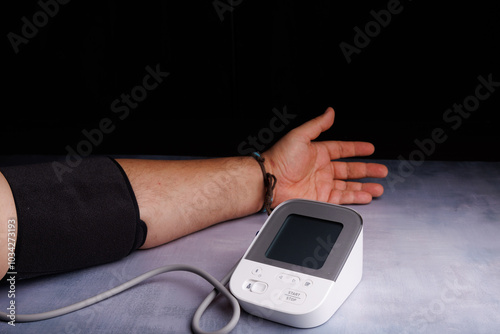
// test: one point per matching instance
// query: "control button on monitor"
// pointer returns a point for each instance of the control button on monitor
(293, 296)
(248, 285)
(258, 287)
(307, 283)
(289, 279)
(257, 271)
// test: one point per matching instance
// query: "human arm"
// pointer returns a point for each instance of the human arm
(180, 197)
(176, 198)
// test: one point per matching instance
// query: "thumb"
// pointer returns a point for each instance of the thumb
(313, 128)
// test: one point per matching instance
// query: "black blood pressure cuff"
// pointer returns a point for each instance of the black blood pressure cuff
(88, 217)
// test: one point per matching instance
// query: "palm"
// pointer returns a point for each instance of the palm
(304, 169)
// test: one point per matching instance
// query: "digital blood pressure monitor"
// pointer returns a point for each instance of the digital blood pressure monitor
(303, 264)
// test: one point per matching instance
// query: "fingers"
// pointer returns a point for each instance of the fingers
(347, 149)
(313, 128)
(354, 192)
(358, 170)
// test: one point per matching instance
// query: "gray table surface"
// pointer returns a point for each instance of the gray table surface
(431, 265)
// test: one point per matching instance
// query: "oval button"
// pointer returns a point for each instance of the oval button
(257, 271)
(293, 296)
(258, 287)
(289, 279)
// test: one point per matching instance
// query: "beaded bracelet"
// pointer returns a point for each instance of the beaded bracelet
(269, 184)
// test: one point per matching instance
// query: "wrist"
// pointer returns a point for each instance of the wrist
(269, 182)
(268, 162)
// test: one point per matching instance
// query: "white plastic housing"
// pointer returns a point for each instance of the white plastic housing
(294, 298)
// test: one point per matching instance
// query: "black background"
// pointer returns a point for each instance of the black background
(230, 68)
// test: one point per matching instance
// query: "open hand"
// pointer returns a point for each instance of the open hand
(304, 169)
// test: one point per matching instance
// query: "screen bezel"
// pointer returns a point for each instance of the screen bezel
(352, 226)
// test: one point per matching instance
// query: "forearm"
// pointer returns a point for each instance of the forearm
(180, 197)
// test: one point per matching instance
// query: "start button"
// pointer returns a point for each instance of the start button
(293, 296)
